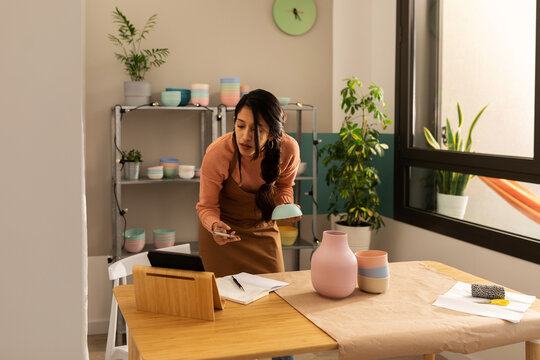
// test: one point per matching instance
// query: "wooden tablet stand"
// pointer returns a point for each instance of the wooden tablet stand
(185, 293)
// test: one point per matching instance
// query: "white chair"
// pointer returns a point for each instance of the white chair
(118, 273)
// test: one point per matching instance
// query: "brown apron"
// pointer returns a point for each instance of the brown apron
(258, 252)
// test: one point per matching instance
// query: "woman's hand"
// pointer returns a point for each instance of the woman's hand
(221, 227)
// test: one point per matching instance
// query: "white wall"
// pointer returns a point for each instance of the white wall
(42, 207)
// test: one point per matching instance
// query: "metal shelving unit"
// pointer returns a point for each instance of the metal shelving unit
(118, 113)
(218, 128)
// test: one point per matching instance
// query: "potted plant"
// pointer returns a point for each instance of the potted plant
(351, 175)
(131, 162)
(451, 186)
(136, 61)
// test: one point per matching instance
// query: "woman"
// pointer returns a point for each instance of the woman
(244, 175)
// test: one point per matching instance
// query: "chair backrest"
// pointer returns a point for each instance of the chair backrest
(123, 268)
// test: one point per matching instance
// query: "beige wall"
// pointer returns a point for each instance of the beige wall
(42, 210)
(208, 39)
(364, 44)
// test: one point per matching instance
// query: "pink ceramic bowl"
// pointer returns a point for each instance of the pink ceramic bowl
(373, 285)
(158, 244)
(134, 246)
(371, 258)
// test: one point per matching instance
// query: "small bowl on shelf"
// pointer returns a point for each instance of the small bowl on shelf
(134, 240)
(164, 238)
(288, 235)
(284, 100)
(185, 95)
(171, 98)
(186, 171)
(155, 172)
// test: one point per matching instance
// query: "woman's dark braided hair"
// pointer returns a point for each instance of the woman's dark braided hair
(263, 104)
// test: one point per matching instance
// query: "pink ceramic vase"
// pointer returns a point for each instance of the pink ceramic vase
(333, 266)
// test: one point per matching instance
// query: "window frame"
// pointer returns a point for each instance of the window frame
(406, 156)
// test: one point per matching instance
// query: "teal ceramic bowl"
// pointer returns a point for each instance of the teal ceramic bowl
(284, 100)
(286, 211)
(134, 234)
(171, 98)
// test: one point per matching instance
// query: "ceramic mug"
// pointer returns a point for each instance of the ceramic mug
(373, 271)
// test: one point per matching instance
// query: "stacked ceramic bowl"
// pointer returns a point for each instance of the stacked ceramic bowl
(164, 238)
(155, 172)
(170, 167)
(185, 95)
(244, 89)
(134, 240)
(230, 91)
(199, 94)
(373, 271)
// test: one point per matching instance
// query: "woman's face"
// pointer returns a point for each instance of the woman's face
(244, 127)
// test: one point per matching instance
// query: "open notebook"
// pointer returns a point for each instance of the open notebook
(255, 287)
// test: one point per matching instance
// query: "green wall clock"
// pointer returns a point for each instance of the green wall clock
(294, 17)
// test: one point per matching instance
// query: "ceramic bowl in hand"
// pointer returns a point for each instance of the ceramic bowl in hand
(286, 211)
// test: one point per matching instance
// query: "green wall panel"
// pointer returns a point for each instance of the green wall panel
(384, 165)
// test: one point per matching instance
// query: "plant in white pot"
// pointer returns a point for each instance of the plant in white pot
(451, 199)
(351, 175)
(131, 162)
(136, 61)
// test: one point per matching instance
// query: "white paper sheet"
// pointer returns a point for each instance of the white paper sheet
(459, 298)
(259, 281)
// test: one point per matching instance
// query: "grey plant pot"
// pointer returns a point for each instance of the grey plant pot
(137, 92)
(132, 170)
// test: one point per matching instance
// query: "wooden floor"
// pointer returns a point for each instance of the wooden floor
(96, 347)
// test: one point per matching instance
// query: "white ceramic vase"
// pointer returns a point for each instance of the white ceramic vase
(452, 205)
(137, 92)
(359, 236)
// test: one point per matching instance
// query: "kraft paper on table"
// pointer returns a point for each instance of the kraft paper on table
(403, 320)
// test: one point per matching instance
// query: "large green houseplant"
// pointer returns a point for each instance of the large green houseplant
(451, 199)
(351, 175)
(449, 182)
(136, 61)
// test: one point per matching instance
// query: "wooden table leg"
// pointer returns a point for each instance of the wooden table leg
(532, 350)
(429, 357)
(133, 352)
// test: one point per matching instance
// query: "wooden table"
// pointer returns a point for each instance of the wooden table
(266, 328)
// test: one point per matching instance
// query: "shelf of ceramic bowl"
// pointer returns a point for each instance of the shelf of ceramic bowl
(150, 246)
(145, 180)
(299, 244)
(173, 108)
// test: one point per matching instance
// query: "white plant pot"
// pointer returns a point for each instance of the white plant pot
(452, 205)
(359, 237)
(137, 92)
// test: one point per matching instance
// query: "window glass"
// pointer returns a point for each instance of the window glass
(476, 53)
(507, 205)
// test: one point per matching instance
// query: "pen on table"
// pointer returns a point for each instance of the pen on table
(237, 283)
